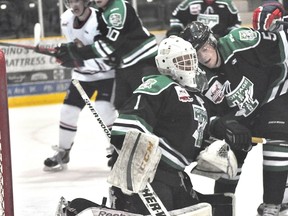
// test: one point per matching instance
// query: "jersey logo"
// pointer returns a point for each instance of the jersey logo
(209, 19)
(195, 9)
(147, 84)
(247, 35)
(115, 19)
(215, 93)
(183, 95)
(242, 97)
(200, 115)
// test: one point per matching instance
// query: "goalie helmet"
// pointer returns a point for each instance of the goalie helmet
(198, 34)
(68, 2)
(178, 59)
(264, 15)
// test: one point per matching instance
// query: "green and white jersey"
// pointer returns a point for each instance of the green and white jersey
(162, 107)
(221, 16)
(255, 68)
(123, 35)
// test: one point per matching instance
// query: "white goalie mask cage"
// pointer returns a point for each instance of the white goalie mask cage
(68, 2)
(178, 59)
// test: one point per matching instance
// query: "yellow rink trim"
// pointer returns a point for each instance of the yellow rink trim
(43, 99)
(35, 100)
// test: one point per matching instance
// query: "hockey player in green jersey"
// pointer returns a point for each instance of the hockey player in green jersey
(220, 15)
(257, 97)
(124, 42)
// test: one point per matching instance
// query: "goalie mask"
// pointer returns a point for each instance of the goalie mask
(178, 59)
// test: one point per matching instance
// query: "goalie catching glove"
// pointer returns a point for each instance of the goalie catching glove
(216, 160)
(137, 162)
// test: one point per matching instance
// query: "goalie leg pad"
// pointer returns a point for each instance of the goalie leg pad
(84, 207)
(137, 162)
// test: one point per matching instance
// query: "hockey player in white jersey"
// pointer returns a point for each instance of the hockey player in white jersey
(79, 26)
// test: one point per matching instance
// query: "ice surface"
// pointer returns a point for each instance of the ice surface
(33, 130)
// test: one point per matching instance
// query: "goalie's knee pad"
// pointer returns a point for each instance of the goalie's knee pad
(124, 202)
(222, 204)
(78, 205)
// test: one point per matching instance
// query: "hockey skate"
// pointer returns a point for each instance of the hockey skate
(269, 210)
(61, 207)
(59, 161)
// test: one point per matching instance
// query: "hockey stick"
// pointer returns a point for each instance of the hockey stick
(257, 140)
(37, 34)
(38, 49)
(91, 107)
(148, 196)
(260, 140)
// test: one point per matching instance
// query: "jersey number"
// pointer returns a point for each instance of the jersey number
(113, 34)
(269, 36)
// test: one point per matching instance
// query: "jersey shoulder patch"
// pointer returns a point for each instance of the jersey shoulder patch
(239, 39)
(154, 84)
(115, 14)
(230, 5)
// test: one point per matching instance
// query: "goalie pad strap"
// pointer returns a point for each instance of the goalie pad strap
(130, 160)
(137, 162)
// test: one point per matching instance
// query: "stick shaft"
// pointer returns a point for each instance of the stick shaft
(260, 140)
(38, 49)
(148, 193)
(91, 107)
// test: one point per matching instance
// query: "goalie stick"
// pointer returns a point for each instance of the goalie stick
(148, 195)
(258, 140)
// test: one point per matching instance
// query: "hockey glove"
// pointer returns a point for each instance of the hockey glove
(67, 56)
(70, 55)
(236, 135)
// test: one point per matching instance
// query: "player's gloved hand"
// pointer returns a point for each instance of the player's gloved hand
(264, 15)
(113, 61)
(67, 55)
(71, 54)
(236, 135)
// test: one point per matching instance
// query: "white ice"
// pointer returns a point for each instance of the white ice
(33, 130)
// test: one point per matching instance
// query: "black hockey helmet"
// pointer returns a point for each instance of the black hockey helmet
(196, 33)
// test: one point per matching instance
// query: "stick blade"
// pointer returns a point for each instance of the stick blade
(37, 34)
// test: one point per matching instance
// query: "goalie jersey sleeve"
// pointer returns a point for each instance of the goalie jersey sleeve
(163, 108)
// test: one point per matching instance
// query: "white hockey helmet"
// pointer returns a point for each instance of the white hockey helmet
(68, 2)
(178, 59)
